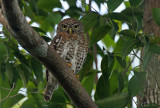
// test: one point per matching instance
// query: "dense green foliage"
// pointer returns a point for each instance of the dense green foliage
(113, 89)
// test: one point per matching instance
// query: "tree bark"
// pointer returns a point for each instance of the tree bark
(17, 25)
(152, 90)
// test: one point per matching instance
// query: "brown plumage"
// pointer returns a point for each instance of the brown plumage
(71, 45)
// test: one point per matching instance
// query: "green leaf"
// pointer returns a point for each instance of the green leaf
(128, 46)
(136, 83)
(126, 32)
(119, 45)
(114, 29)
(127, 4)
(59, 96)
(74, 12)
(21, 58)
(15, 75)
(55, 18)
(107, 64)
(139, 24)
(87, 65)
(13, 46)
(115, 101)
(120, 82)
(12, 101)
(104, 66)
(3, 92)
(28, 11)
(119, 16)
(102, 88)
(156, 15)
(111, 61)
(98, 2)
(88, 82)
(135, 3)
(154, 40)
(113, 4)
(35, 100)
(121, 61)
(113, 79)
(46, 38)
(147, 54)
(71, 2)
(26, 71)
(39, 30)
(37, 69)
(3, 70)
(99, 50)
(17, 87)
(21, 74)
(89, 21)
(146, 58)
(50, 20)
(130, 11)
(9, 71)
(58, 100)
(154, 49)
(48, 4)
(108, 41)
(30, 86)
(3, 52)
(33, 4)
(98, 33)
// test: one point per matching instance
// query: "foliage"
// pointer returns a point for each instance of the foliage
(22, 78)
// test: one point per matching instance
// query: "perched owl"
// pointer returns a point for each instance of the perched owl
(71, 45)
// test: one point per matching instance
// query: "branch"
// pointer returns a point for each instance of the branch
(37, 47)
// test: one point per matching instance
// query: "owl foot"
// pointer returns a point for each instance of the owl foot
(69, 64)
(77, 76)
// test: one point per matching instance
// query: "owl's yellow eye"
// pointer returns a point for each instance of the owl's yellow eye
(76, 26)
(64, 26)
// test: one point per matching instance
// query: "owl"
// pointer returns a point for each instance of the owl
(71, 45)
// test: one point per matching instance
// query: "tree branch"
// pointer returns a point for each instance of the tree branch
(37, 47)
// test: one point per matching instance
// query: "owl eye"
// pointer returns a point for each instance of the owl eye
(64, 26)
(76, 26)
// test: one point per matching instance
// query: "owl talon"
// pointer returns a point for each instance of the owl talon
(69, 64)
(77, 76)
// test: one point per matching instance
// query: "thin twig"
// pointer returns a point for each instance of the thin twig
(134, 101)
(20, 90)
(14, 95)
(124, 72)
(134, 67)
(8, 93)
(137, 56)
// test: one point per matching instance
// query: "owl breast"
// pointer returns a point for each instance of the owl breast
(73, 52)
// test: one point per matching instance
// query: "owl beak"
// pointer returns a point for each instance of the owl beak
(70, 30)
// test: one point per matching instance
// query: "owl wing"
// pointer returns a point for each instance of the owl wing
(81, 56)
(52, 83)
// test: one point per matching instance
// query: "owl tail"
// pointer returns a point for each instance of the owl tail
(52, 84)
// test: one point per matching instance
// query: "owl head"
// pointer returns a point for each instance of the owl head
(70, 26)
